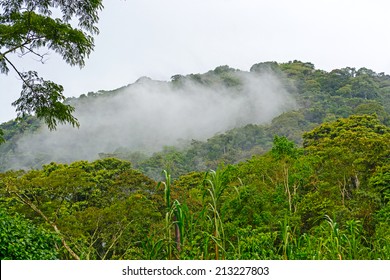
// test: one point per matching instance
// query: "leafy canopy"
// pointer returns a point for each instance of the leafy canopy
(29, 27)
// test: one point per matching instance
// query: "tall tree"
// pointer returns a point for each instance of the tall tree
(30, 27)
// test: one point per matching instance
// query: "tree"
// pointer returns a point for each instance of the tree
(98, 210)
(29, 27)
(346, 154)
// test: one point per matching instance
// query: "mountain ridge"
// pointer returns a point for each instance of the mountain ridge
(310, 97)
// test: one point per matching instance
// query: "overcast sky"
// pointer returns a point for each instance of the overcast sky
(161, 38)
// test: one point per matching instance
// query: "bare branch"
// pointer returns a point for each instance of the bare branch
(115, 238)
(30, 50)
(17, 71)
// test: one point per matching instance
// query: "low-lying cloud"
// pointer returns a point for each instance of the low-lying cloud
(148, 115)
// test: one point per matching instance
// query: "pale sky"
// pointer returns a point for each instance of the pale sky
(161, 38)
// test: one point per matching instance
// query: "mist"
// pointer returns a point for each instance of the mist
(148, 115)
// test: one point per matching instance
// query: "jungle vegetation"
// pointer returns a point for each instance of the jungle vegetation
(314, 183)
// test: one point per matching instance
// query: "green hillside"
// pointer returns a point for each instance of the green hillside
(320, 96)
(312, 183)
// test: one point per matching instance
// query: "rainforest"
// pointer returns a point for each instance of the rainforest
(281, 162)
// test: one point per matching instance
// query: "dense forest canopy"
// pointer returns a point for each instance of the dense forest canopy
(310, 179)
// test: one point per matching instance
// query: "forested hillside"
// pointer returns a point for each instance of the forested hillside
(305, 98)
(309, 180)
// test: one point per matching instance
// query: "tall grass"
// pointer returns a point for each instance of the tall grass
(205, 234)
(174, 219)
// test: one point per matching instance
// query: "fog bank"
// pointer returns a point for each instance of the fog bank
(148, 115)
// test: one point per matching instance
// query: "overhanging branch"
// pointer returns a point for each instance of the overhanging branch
(17, 71)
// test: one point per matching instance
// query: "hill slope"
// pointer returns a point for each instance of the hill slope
(224, 115)
(324, 195)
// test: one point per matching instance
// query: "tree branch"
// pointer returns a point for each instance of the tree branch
(116, 238)
(37, 210)
(16, 47)
(17, 71)
(29, 40)
(29, 50)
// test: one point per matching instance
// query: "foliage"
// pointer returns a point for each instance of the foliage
(312, 184)
(20, 239)
(327, 200)
(321, 97)
(28, 27)
(94, 206)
